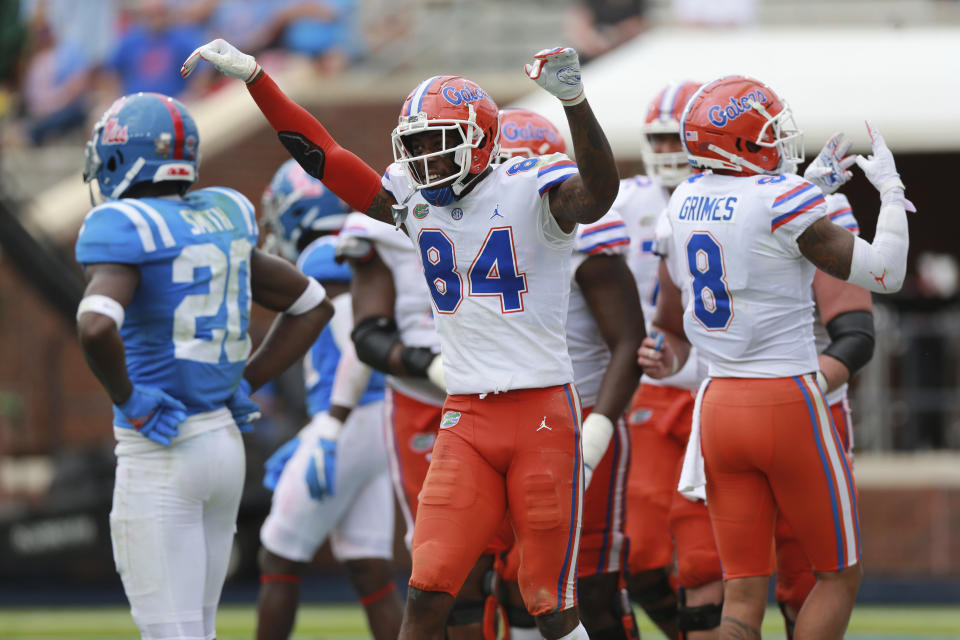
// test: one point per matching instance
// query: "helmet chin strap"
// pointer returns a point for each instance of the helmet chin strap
(736, 162)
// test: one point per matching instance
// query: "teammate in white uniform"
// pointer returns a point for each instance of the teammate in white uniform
(331, 479)
(495, 245)
(668, 534)
(395, 333)
(843, 330)
(746, 240)
(602, 335)
(171, 274)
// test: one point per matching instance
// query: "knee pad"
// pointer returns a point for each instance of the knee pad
(651, 597)
(701, 618)
(479, 611)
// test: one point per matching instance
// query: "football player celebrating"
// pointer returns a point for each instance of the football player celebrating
(331, 479)
(843, 329)
(661, 524)
(495, 243)
(395, 333)
(602, 335)
(745, 239)
(163, 324)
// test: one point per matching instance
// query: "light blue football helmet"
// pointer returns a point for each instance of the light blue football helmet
(296, 203)
(142, 137)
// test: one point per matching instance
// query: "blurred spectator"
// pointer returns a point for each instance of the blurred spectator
(150, 52)
(92, 31)
(715, 13)
(322, 30)
(56, 86)
(11, 43)
(597, 26)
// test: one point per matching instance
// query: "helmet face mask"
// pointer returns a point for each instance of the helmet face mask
(295, 204)
(527, 134)
(738, 124)
(143, 137)
(465, 118)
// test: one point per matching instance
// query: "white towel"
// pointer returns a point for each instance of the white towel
(693, 479)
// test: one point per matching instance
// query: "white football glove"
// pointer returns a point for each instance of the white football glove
(558, 71)
(830, 169)
(225, 57)
(880, 169)
(597, 431)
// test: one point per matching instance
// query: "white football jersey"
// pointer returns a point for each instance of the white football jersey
(498, 268)
(733, 242)
(641, 202)
(840, 212)
(412, 309)
(588, 350)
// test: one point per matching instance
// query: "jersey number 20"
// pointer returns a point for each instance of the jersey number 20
(711, 298)
(224, 290)
(492, 273)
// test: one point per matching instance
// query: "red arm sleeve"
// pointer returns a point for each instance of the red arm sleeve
(312, 146)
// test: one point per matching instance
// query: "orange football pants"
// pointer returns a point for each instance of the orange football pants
(602, 539)
(659, 518)
(794, 573)
(412, 428)
(515, 453)
(769, 445)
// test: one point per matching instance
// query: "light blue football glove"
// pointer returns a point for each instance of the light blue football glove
(245, 411)
(275, 463)
(321, 470)
(154, 413)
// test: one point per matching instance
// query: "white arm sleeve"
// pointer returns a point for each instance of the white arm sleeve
(352, 376)
(880, 266)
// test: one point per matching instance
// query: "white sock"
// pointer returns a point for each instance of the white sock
(525, 633)
(577, 634)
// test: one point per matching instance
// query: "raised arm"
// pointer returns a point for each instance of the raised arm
(879, 266)
(584, 198)
(307, 141)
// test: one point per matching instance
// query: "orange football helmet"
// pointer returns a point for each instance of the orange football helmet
(467, 117)
(527, 134)
(739, 124)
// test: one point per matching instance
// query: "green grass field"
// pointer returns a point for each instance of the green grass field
(346, 622)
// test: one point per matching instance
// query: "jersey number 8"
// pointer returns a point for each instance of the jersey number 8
(711, 297)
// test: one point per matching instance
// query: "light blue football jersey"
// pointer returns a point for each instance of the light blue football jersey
(320, 364)
(185, 330)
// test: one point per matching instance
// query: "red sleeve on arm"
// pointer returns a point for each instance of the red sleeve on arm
(304, 137)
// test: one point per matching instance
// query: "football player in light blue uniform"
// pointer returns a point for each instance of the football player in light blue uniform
(170, 279)
(330, 480)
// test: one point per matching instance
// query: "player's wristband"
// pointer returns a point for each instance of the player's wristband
(103, 305)
(312, 296)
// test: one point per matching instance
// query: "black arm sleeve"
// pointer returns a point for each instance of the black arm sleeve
(851, 339)
(374, 338)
